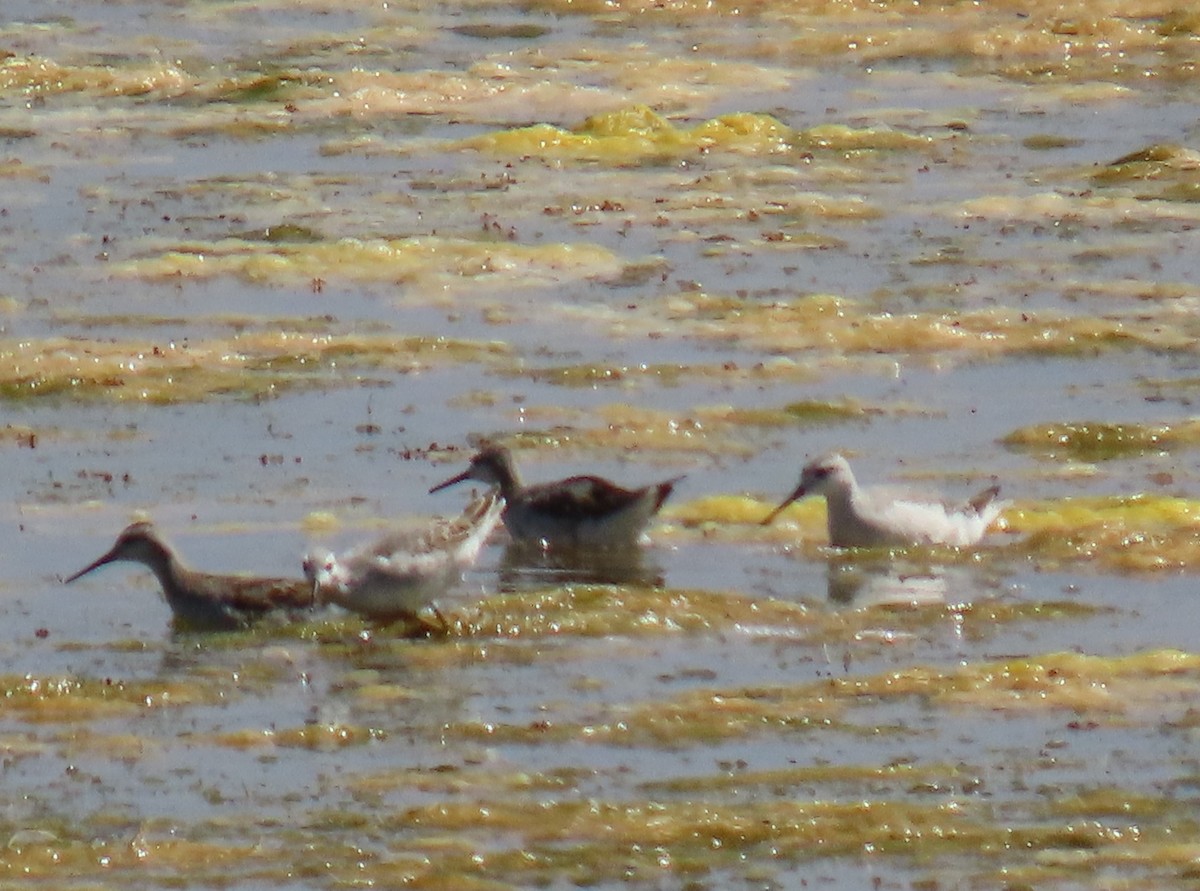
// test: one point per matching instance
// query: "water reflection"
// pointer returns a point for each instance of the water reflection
(887, 581)
(525, 567)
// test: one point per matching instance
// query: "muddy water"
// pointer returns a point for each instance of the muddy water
(271, 270)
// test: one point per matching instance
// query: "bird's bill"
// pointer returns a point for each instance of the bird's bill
(462, 477)
(795, 496)
(96, 564)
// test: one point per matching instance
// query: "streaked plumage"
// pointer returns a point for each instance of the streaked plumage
(880, 516)
(202, 599)
(577, 512)
(404, 572)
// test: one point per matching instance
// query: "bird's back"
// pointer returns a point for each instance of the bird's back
(889, 516)
(584, 511)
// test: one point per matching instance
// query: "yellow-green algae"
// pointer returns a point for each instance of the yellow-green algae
(1138, 533)
(425, 261)
(13, 168)
(777, 196)
(718, 512)
(1110, 801)
(1089, 208)
(457, 780)
(592, 375)
(52, 699)
(603, 610)
(643, 839)
(34, 75)
(1103, 441)
(1160, 172)
(638, 135)
(1042, 44)
(320, 737)
(1098, 686)
(840, 325)
(1069, 48)
(716, 431)
(249, 364)
(553, 832)
(1166, 172)
(1042, 142)
(156, 853)
(1095, 685)
(622, 427)
(518, 840)
(806, 412)
(897, 777)
(809, 412)
(705, 715)
(1160, 292)
(688, 829)
(573, 614)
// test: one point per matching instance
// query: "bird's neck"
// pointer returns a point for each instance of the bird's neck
(509, 481)
(842, 496)
(170, 572)
(839, 507)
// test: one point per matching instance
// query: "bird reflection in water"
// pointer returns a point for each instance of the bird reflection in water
(884, 583)
(867, 581)
(527, 566)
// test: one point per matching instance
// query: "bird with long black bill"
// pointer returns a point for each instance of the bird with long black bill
(577, 512)
(202, 599)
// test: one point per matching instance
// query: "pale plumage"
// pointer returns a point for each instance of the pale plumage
(404, 572)
(577, 512)
(202, 599)
(884, 516)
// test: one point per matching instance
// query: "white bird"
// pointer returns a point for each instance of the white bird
(886, 516)
(404, 572)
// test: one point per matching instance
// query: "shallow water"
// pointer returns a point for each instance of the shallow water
(271, 270)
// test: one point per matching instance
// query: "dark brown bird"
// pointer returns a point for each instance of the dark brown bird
(202, 599)
(577, 512)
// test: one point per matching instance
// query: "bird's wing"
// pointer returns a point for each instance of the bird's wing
(581, 496)
(256, 595)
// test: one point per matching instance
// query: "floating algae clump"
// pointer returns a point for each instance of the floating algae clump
(1101, 441)
(637, 136)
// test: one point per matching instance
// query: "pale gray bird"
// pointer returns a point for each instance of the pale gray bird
(404, 572)
(879, 516)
